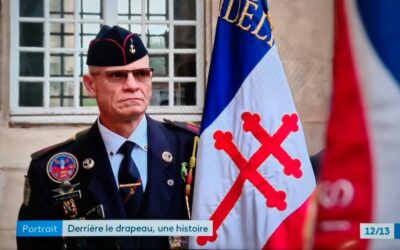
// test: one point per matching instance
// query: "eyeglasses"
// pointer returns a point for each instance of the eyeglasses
(120, 76)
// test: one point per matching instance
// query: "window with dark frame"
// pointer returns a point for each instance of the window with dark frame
(51, 51)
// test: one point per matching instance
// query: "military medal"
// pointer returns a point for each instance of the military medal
(66, 192)
(69, 208)
(178, 242)
(62, 168)
(167, 156)
(132, 187)
(88, 163)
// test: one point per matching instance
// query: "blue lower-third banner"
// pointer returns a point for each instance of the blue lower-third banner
(78, 228)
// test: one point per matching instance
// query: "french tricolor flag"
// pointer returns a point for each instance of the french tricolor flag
(253, 176)
(360, 173)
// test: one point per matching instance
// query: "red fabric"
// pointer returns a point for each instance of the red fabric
(348, 157)
(284, 237)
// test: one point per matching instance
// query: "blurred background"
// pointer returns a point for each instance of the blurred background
(43, 54)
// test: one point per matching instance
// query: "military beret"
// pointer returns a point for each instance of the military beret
(115, 46)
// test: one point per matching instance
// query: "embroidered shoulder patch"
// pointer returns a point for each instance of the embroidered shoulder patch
(62, 167)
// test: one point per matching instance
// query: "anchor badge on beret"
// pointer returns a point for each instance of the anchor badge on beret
(132, 47)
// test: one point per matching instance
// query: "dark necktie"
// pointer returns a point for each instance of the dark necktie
(130, 183)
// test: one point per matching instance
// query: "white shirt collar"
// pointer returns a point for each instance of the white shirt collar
(113, 141)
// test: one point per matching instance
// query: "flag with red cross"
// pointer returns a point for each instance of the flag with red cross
(254, 178)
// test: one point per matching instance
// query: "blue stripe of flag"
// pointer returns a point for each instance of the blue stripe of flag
(381, 21)
(236, 52)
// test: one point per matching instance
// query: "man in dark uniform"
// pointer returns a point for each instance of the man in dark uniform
(126, 166)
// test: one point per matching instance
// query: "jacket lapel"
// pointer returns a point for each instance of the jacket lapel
(99, 179)
(158, 192)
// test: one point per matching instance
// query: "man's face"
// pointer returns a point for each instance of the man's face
(123, 93)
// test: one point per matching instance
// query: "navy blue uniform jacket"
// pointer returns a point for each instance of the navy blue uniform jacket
(161, 199)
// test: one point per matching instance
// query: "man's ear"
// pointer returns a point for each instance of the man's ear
(90, 85)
